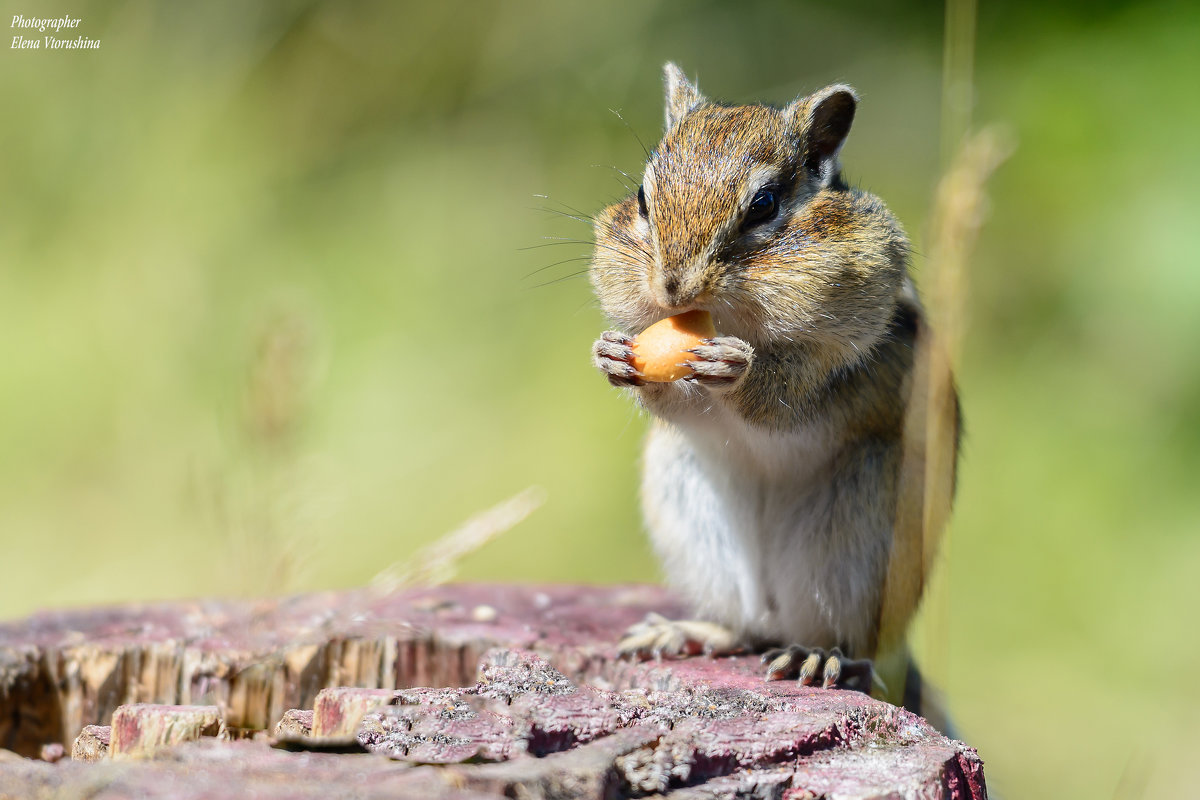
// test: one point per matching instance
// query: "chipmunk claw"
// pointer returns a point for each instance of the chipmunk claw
(810, 665)
(656, 637)
(719, 362)
(612, 354)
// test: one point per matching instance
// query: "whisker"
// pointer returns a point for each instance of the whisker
(556, 264)
(554, 244)
(586, 220)
(628, 177)
(598, 245)
(567, 207)
(560, 280)
(574, 210)
(631, 130)
(585, 304)
(628, 183)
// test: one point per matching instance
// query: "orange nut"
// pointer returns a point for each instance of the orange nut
(660, 350)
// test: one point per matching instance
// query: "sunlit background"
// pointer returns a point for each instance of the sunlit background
(274, 314)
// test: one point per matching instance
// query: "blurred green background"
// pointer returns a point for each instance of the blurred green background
(269, 321)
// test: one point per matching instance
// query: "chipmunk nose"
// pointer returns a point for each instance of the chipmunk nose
(678, 276)
(673, 292)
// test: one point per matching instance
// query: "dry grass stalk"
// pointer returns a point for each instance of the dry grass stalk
(931, 428)
(959, 211)
(437, 562)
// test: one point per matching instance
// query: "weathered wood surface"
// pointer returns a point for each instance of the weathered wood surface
(542, 709)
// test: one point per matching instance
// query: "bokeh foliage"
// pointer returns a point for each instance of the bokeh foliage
(269, 324)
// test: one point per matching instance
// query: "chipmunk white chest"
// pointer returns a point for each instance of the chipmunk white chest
(745, 520)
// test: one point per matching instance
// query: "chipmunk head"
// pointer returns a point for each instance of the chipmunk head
(742, 211)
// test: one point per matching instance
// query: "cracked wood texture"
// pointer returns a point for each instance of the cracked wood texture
(469, 691)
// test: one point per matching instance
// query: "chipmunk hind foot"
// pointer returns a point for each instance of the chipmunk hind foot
(814, 666)
(656, 637)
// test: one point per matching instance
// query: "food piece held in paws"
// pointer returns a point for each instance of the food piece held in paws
(660, 350)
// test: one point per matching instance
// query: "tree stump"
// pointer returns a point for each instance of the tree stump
(471, 691)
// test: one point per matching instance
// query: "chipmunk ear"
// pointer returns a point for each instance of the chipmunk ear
(682, 94)
(824, 119)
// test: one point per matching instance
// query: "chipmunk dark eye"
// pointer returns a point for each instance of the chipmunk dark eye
(763, 207)
(642, 202)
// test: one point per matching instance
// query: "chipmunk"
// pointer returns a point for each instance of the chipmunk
(772, 480)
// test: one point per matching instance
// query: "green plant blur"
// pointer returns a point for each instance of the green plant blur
(275, 313)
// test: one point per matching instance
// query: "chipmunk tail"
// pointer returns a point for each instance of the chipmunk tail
(926, 700)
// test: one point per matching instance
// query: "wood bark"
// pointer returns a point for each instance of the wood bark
(466, 691)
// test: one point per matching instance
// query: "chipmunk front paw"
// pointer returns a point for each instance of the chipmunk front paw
(656, 636)
(612, 354)
(811, 665)
(720, 363)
